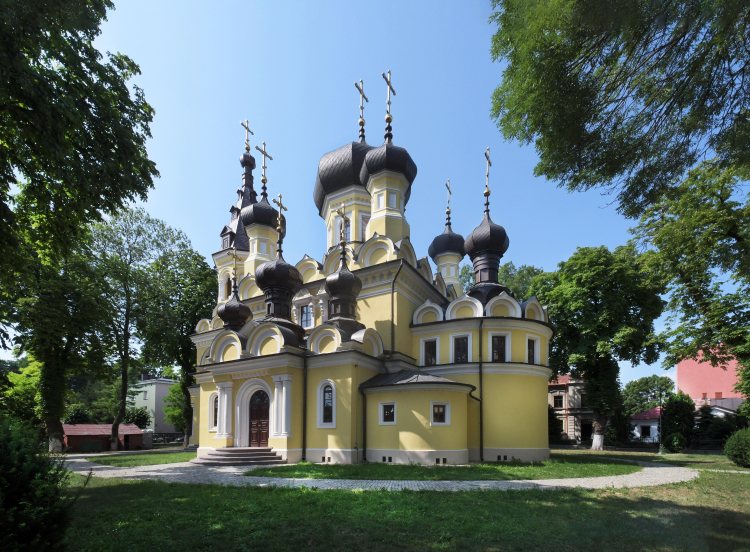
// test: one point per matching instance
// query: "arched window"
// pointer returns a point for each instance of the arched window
(328, 404)
(215, 412)
(326, 407)
(228, 288)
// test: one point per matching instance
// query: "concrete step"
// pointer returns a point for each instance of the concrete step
(240, 453)
(244, 456)
(258, 458)
(243, 449)
(238, 462)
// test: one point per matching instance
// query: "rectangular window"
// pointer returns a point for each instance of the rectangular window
(306, 316)
(584, 401)
(558, 401)
(380, 201)
(645, 431)
(348, 230)
(438, 413)
(430, 353)
(388, 413)
(461, 350)
(718, 395)
(498, 348)
(391, 200)
(262, 247)
(532, 351)
(705, 395)
(365, 222)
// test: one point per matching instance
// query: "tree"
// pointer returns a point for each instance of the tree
(466, 276)
(603, 305)
(180, 291)
(701, 234)
(624, 94)
(518, 280)
(72, 134)
(138, 416)
(77, 414)
(646, 393)
(19, 399)
(61, 321)
(175, 406)
(678, 416)
(125, 246)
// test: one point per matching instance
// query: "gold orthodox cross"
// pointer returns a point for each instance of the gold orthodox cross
(281, 208)
(248, 132)
(361, 88)
(265, 154)
(390, 89)
(344, 220)
(448, 185)
(489, 164)
(234, 255)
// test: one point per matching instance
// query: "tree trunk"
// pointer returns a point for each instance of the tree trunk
(600, 426)
(54, 434)
(121, 412)
(186, 380)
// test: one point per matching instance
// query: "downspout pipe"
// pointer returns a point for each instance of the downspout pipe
(364, 426)
(304, 408)
(481, 396)
(393, 323)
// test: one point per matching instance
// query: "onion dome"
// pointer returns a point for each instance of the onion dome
(234, 313)
(342, 287)
(262, 213)
(280, 281)
(447, 242)
(389, 157)
(339, 169)
(486, 246)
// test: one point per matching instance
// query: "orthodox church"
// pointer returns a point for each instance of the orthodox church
(367, 354)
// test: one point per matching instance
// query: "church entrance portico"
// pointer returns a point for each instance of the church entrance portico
(259, 414)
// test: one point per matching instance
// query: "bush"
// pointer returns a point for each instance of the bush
(138, 416)
(77, 414)
(737, 448)
(675, 442)
(33, 513)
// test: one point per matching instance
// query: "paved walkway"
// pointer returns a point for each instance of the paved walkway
(184, 472)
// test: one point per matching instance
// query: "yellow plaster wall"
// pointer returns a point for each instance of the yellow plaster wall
(413, 413)
(501, 310)
(230, 353)
(378, 256)
(308, 275)
(515, 411)
(375, 312)
(465, 312)
(195, 437)
(269, 346)
(429, 317)
(327, 344)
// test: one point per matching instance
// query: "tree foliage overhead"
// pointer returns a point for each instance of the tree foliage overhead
(624, 93)
(646, 393)
(603, 304)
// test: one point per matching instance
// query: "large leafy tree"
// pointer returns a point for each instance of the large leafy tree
(624, 94)
(180, 290)
(646, 393)
(72, 134)
(700, 231)
(603, 304)
(124, 247)
(518, 280)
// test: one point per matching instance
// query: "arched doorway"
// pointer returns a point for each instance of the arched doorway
(259, 406)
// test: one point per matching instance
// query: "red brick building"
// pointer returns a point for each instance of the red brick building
(95, 437)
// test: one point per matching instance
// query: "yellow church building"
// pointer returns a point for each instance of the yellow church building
(366, 354)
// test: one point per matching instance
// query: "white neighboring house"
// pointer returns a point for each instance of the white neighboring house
(646, 425)
(151, 396)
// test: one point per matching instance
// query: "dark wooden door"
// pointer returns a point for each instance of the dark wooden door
(259, 403)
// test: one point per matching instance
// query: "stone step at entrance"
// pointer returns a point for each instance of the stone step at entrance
(240, 456)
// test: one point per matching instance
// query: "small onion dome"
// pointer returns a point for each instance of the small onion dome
(391, 158)
(447, 242)
(234, 313)
(343, 287)
(278, 275)
(247, 160)
(488, 236)
(262, 213)
(339, 169)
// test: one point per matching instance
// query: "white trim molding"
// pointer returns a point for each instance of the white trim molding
(464, 301)
(537, 349)
(224, 429)
(447, 406)
(212, 420)
(320, 423)
(428, 306)
(380, 413)
(452, 337)
(514, 308)
(508, 340)
(283, 405)
(422, 341)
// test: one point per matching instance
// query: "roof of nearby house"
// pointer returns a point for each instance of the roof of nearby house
(561, 380)
(652, 414)
(100, 429)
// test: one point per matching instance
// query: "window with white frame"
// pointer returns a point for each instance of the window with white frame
(499, 344)
(214, 411)
(387, 413)
(429, 352)
(326, 404)
(460, 345)
(145, 394)
(365, 220)
(306, 316)
(392, 199)
(532, 349)
(441, 413)
(380, 201)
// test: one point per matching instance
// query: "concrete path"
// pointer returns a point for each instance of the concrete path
(185, 472)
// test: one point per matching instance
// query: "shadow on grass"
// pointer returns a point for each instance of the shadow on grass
(129, 515)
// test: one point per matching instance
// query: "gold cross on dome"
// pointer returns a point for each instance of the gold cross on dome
(361, 88)
(265, 154)
(448, 185)
(390, 89)
(234, 255)
(489, 164)
(248, 132)
(344, 220)
(281, 208)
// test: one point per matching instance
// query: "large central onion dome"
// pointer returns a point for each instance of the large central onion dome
(389, 157)
(339, 169)
(486, 246)
(447, 242)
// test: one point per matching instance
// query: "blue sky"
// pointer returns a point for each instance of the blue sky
(289, 69)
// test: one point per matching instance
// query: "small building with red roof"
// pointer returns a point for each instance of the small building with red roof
(96, 437)
(646, 425)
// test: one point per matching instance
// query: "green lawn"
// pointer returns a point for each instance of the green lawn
(696, 461)
(146, 459)
(563, 467)
(709, 513)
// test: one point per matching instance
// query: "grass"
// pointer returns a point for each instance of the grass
(695, 461)
(563, 467)
(709, 513)
(146, 459)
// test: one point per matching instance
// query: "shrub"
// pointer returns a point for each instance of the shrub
(33, 513)
(737, 448)
(77, 414)
(679, 415)
(138, 416)
(675, 442)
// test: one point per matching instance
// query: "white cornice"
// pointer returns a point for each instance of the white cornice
(493, 323)
(459, 388)
(345, 357)
(199, 339)
(344, 192)
(515, 368)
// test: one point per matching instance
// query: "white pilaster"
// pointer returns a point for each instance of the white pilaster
(277, 400)
(224, 429)
(283, 405)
